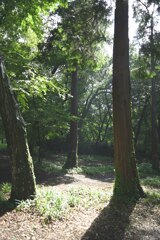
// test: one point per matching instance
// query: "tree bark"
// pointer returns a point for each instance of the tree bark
(23, 180)
(72, 160)
(139, 124)
(154, 135)
(127, 181)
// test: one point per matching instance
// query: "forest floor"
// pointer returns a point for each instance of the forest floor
(99, 221)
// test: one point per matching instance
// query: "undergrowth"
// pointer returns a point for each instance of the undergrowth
(51, 204)
(145, 170)
(3, 146)
(48, 167)
(88, 165)
(152, 197)
(153, 182)
(96, 170)
(5, 189)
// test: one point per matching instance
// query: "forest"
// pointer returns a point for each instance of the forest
(79, 119)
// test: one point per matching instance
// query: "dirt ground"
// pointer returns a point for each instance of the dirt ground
(137, 222)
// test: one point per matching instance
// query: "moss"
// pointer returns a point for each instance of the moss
(129, 188)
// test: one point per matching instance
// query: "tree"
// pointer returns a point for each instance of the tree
(95, 106)
(21, 31)
(23, 180)
(140, 103)
(127, 181)
(73, 45)
(72, 160)
(149, 9)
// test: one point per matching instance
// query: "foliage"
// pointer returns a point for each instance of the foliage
(92, 171)
(145, 169)
(48, 167)
(89, 165)
(95, 102)
(73, 42)
(152, 198)
(48, 203)
(3, 146)
(5, 189)
(99, 170)
(153, 182)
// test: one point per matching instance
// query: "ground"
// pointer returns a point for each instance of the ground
(136, 221)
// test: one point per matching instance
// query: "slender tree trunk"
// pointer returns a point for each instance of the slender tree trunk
(139, 124)
(154, 135)
(158, 129)
(127, 181)
(23, 180)
(72, 160)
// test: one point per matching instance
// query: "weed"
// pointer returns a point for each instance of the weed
(77, 170)
(145, 169)
(87, 197)
(48, 167)
(152, 181)
(94, 158)
(152, 198)
(2, 197)
(5, 187)
(48, 203)
(52, 204)
(3, 146)
(98, 170)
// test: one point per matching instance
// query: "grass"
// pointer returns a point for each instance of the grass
(5, 189)
(51, 204)
(3, 146)
(153, 181)
(98, 169)
(145, 170)
(89, 165)
(149, 177)
(48, 167)
(152, 197)
(92, 159)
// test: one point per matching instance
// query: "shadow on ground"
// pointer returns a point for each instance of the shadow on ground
(112, 222)
(106, 177)
(54, 179)
(6, 206)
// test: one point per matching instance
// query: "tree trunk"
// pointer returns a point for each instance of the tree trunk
(154, 135)
(72, 160)
(139, 124)
(23, 180)
(127, 181)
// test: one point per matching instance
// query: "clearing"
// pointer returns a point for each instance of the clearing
(93, 219)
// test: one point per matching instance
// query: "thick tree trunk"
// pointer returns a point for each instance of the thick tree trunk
(72, 160)
(127, 182)
(23, 180)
